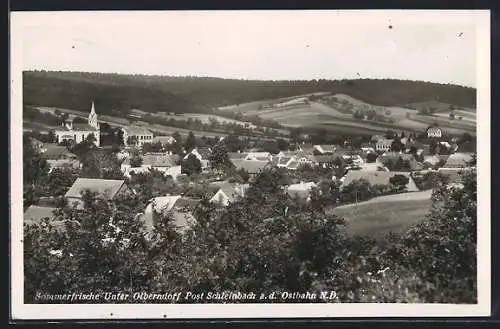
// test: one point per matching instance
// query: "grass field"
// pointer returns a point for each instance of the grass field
(377, 219)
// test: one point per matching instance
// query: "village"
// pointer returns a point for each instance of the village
(220, 169)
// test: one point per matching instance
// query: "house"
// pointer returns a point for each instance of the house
(431, 160)
(252, 167)
(325, 149)
(162, 162)
(64, 164)
(237, 155)
(383, 144)
(179, 209)
(202, 154)
(458, 160)
(326, 160)
(57, 152)
(434, 132)
(367, 148)
(105, 188)
(306, 148)
(79, 132)
(378, 178)
(37, 145)
(35, 214)
(163, 140)
(136, 136)
(259, 156)
(301, 190)
(228, 192)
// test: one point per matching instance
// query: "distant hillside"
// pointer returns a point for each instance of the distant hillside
(200, 94)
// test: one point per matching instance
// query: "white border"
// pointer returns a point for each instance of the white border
(21, 311)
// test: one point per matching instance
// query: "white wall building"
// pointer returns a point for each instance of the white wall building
(136, 136)
(78, 132)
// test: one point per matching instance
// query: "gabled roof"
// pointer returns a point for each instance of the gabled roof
(251, 166)
(179, 208)
(163, 139)
(378, 178)
(82, 127)
(453, 174)
(325, 158)
(34, 214)
(385, 141)
(103, 187)
(284, 160)
(159, 160)
(233, 190)
(237, 155)
(64, 163)
(203, 151)
(301, 190)
(326, 148)
(137, 130)
(54, 152)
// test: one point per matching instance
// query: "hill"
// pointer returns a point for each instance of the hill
(201, 94)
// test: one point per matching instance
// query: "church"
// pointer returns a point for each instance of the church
(78, 132)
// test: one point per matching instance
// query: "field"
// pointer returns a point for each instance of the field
(119, 122)
(376, 218)
(335, 113)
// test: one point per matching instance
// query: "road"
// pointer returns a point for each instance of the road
(422, 195)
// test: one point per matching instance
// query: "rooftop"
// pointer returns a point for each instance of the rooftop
(251, 166)
(137, 130)
(103, 187)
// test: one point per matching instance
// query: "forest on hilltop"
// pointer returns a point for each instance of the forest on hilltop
(201, 94)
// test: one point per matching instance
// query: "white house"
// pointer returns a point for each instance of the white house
(325, 149)
(163, 140)
(383, 144)
(301, 190)
(136, 136)
(165, 163)
(228, 192)
(434, 132)
(202, 154)
(258, 156)
(78, 132)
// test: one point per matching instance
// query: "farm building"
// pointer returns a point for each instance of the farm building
(104, 188)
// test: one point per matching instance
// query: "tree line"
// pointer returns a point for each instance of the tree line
(199, 94)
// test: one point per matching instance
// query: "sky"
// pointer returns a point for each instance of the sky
(269, 45)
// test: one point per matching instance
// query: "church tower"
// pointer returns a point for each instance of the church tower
(93, 118)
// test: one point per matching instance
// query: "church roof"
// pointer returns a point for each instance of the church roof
(78, 127)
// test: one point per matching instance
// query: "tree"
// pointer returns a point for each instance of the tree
(60, 180)
(396, 145)
(358, 114)
(190, 142)
(443, 248)
(135, 161)
(371, 157)
(283, 145)
(35, 168)
(371, 114)
(399, 182)
(191, 165)
(296, 135)
(152, 147)
(390, 134)
(219, 159)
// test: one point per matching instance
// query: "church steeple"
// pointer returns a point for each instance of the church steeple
(93, 118)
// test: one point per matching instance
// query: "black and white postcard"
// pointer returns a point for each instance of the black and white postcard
(250, 164)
